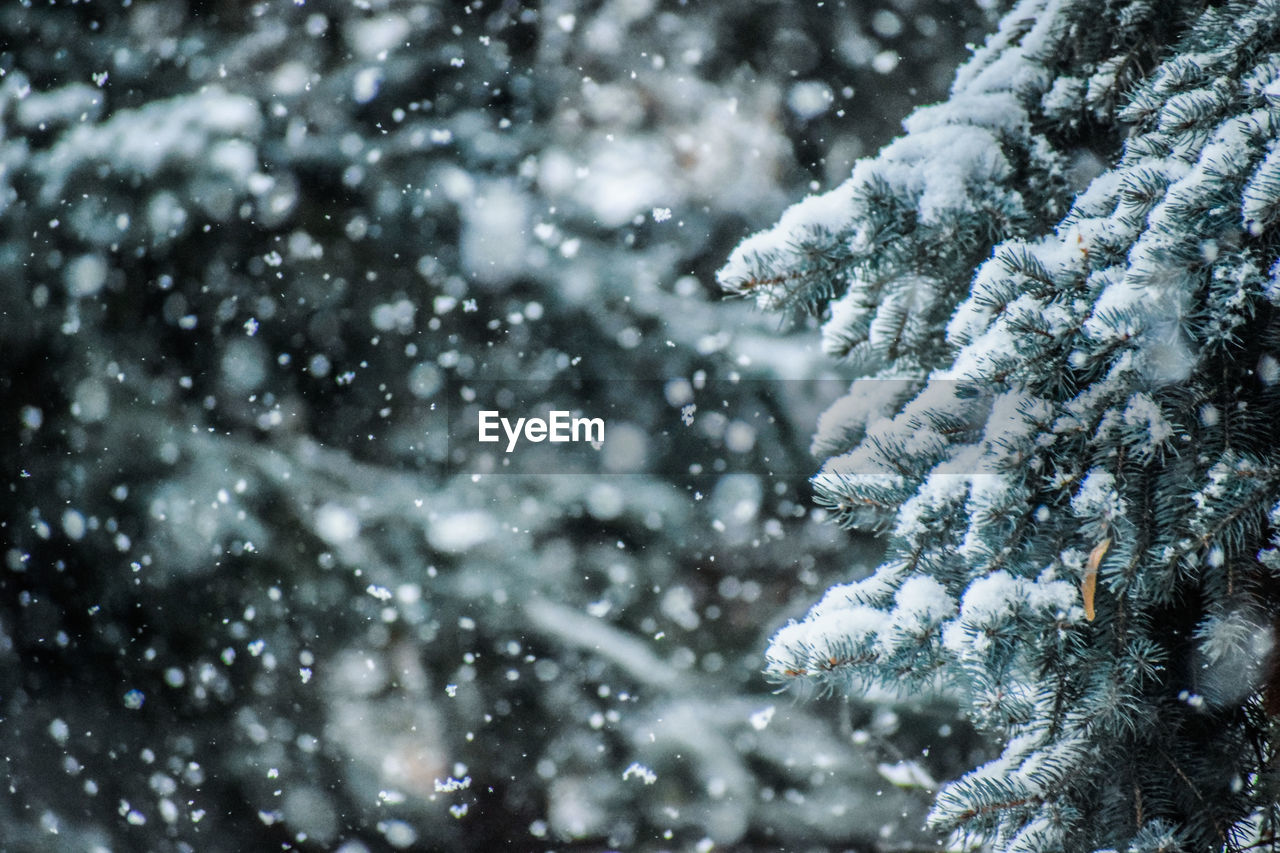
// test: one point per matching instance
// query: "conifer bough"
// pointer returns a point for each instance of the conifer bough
(1069, 272)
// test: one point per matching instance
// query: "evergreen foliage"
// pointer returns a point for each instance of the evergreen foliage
(1069, 268)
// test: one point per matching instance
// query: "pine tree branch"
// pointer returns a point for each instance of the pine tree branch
(1196, 791)
(1005, 805)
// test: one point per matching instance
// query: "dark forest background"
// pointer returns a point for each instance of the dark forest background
(252, 251)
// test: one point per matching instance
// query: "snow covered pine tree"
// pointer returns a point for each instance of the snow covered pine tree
(1077, 465)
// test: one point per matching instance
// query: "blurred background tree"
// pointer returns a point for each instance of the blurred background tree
(253, 251)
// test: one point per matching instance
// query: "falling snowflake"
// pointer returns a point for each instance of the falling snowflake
(640, 771)
(760, 719)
